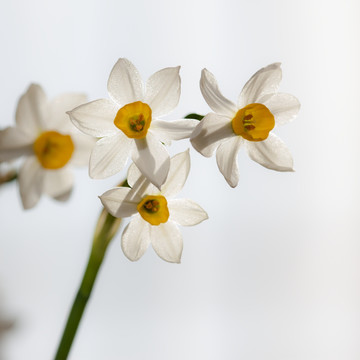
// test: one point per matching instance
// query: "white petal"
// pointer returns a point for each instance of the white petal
(109, 156)
(178, 173)
(186, 212)
(173, 130)
(83, 145)
(95, 118)
(120, 202)
(31, 110)
(162, 92)
(59, 106)
(58, 182)
(212, 95)
(271, 153)
(167, 241)
(265, 81)
(226, 158)
(14, 143)
(135, 238)
(284, 107)
(139, 183)
(125, 85)
(152, 159)
(211, 130)
(31, 176)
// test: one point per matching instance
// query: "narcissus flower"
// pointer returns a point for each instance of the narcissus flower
(259, 109)
(128, 123)
(155, 214)
(51, 144)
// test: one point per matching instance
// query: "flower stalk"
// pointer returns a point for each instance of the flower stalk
(106, 228)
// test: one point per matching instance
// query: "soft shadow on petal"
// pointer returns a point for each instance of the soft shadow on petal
(284, 107)
(135, 238)
(31, 180)
(58, 182)
(95, 118)
(186, 212)
(31, 112)
(152, 159)
(125, 85)
(109, 156)
(162, 92)
(178, 173)
(211, 131)
(265, 81)
(173, 130)
(271, 153)
(58, 118)
(139, 183)
(226, 158)
(167, 241)
(14, 143)
(212, 95)
(120, 202)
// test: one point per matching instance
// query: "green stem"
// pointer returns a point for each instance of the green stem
(105, 230)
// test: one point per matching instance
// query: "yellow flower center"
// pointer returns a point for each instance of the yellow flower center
(154, 209)
(253, 122)
(134, 119)
(53, 150)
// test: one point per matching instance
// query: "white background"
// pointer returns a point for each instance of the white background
(275, 272)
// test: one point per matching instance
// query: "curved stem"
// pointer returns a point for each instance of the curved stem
(105, 231)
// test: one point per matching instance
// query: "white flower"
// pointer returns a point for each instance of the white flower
(51, 144)
(259, 108)
(129, 125)
(155, 214)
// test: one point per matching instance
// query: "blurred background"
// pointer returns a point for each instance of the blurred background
(275, 272)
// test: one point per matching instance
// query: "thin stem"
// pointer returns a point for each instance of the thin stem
(105, 230)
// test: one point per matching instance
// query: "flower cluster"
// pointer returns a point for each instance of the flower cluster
(129, 125)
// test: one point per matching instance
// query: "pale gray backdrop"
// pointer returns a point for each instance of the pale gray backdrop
(274, 273)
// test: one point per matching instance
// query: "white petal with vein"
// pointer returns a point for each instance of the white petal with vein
(284, 107)
(136, 238)
(152, 159)
(95, 118)
(186, 212)
(125, 85)
(211, 130)
(120, 202)
(212, 95)
(173, 130)
(167, 241)
(178, 173)
(226, 158)
(163, 91)
(109, 156)
(265, 81)
(271, 153)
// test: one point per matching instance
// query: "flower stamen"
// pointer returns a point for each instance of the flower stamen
(154, 209)
(134, 119)
(253, 122)
(53, 149)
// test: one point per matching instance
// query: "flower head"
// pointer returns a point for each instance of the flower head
(155, 213)
(128, 123)
(50, 143)
(259, 109)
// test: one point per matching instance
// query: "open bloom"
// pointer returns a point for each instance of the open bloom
(128, 123)
(51, 144)
(259, 108)
(155, 214)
